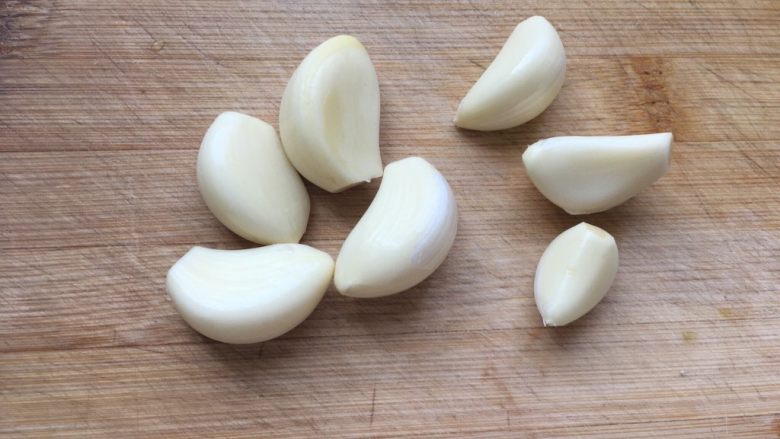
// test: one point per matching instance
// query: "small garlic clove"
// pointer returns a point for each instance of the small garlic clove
(520, 83)
(592, 174)
(248, 183)
(248, 296)
(329, 116)
(404, 235)
(574, 273)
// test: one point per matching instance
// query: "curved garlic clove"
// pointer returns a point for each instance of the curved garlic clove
(404, 235)
(592, 174)
(329, 116)
(248, 183)
(520, 83)
(574, 273)
(249, 296)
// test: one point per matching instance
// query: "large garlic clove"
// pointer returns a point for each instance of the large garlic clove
(520, 83)
(404, 235)
(574, 273)
(248, 183)
(249, 296)
(329, 117)
(591, 174)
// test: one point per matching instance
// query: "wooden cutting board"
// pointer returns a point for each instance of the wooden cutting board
(102, 107)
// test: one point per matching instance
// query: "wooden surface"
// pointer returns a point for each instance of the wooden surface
(102, 108)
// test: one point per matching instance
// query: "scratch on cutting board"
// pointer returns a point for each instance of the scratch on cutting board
(477, 64)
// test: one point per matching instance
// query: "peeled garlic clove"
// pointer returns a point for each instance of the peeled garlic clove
(248, 183)
(329, 117)
(404, 235)
(574, 273)
(249, 296)
(520, 83)
(591, 174)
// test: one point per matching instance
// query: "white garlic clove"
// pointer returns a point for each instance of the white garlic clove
(329, 116)
(592, 174)
(248, 183)
(404, 235)
(574, 273)
(249, 296)
(520, 83)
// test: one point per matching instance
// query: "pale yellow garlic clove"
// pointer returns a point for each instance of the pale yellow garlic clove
(249, 296)
(248, 183)
(592, 174)
(404, 235)
(520, 83)
(329, 116)
(574, 273)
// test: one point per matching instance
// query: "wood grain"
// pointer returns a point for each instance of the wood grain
(102, 107)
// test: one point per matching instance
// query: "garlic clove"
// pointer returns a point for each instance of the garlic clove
(329, 116)
(404, 235)
(574, 273)
(248, 296)
(248, 183)
(592, 174)
(520, 83)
